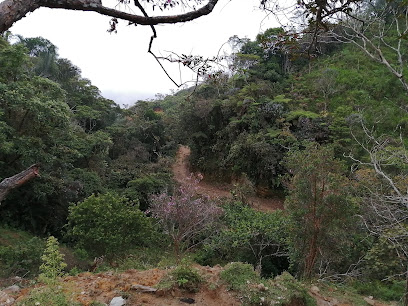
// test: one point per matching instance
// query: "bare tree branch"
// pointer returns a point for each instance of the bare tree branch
(13, 10)
(17, 180)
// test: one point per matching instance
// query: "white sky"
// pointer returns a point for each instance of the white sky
(118, 64)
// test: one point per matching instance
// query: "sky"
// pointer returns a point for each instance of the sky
(119, 65)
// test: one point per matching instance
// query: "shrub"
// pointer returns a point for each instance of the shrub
(53, 261)
(108, 225)
(186, 278)
(238, 274)
(251, 236)
(142, 188)
(381, 290)
(50, 296)
(254, 290)
(21, 259)
(185, 216)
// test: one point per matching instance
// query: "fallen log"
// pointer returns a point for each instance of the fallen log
(17, 180)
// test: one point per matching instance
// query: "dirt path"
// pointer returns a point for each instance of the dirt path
(181, 173)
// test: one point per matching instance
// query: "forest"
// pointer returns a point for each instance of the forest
(317, 126)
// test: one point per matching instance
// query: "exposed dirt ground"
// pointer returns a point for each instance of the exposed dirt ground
(88, 288)
(181, 171)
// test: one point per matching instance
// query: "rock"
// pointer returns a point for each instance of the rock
(142, 288)
(369, 300)
(315, 289)
(261, 287)
(5, 299)
(187, 300)
(117, 301)
(12, 289)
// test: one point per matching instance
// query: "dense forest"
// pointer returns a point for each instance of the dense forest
(321, 127)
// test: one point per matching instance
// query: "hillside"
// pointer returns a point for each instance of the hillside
(215, 190)
(299, 167)
(134, 286)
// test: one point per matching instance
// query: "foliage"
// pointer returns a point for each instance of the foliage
(186, 217)
(383, 260)
(53, 262)
(387, 291)
(39, 96)
(143, 258)
(319, 208)
(186, 278)
(51, 295)
(253, 290)
(142, 188)
(249, 235)
(238, 274)
(22, 258)
(108, 225)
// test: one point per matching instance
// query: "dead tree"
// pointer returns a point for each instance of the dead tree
(17, 180)
(385, 205)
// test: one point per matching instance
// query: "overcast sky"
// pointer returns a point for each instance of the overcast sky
(118, 64)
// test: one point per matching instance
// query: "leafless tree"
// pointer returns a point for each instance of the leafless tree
(385, 200)
(381, 33)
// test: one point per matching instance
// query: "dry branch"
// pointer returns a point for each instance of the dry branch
(17, 180)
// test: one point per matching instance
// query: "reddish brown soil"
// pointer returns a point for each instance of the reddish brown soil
(215, 190)
(88, 288)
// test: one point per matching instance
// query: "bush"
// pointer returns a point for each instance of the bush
(381, 290)
(53, 261)
(142, 188)
(254, 290)
(185, 217)
(108, 225)
(184, 277)
(21, 259)
(238, 274)
(50, 296)
(250, 236)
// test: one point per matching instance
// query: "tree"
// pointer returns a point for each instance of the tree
(13, 10)
(58, 122)
(380, 31)
(318, 206)
(108, 225)
(252, 236)
(53, 261)
(384, 195)
(185, 217)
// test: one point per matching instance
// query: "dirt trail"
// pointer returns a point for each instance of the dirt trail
(214, 190)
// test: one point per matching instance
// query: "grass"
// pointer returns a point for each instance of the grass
(392, 291)
(183, 277)
(354, 292)
(50, 296)
(254, 290)
(10, 237)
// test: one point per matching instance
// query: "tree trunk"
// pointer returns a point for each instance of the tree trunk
(17, 180)
(406, 289)
(13, 10)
